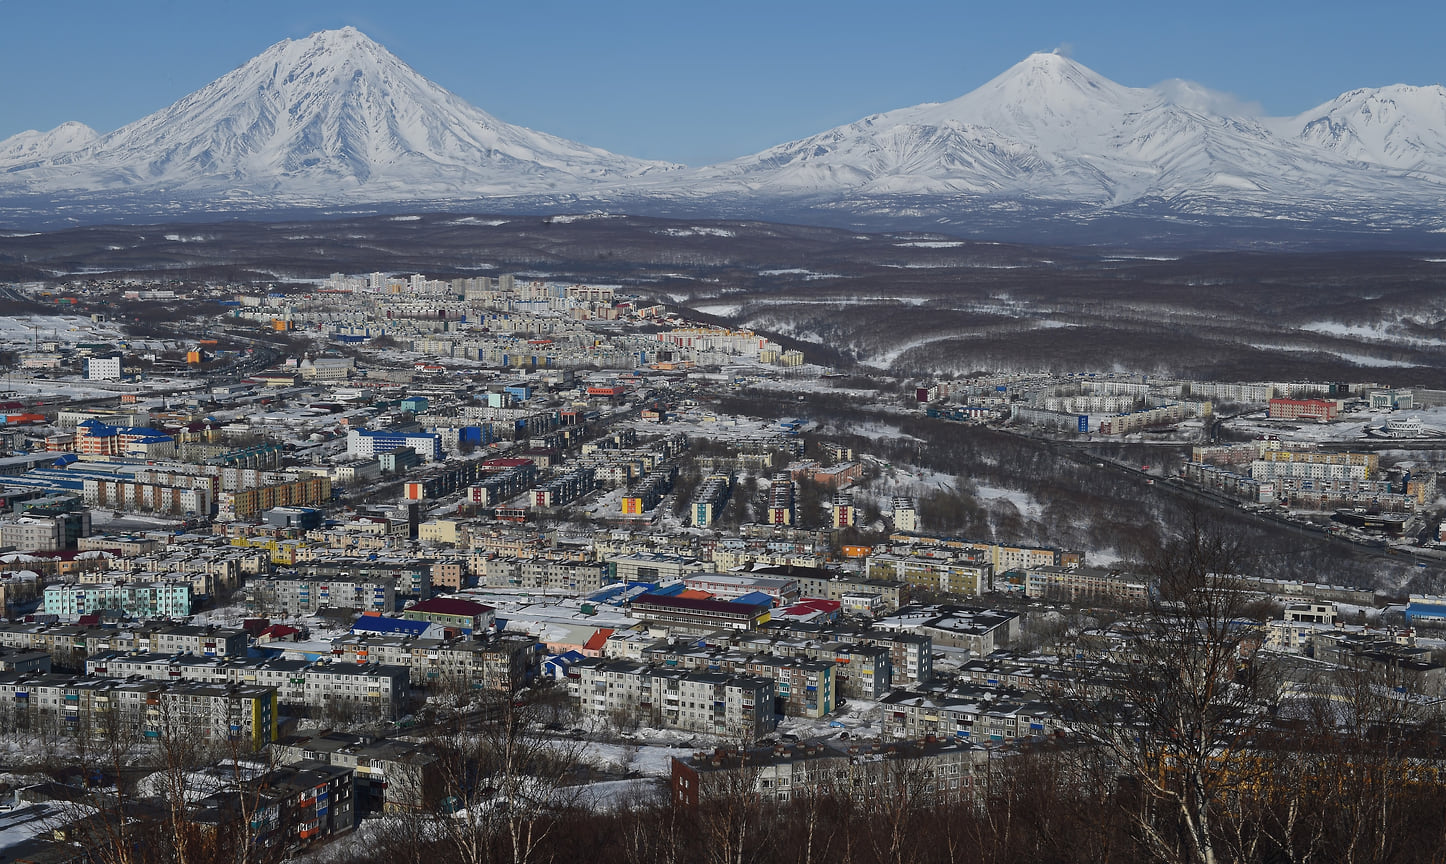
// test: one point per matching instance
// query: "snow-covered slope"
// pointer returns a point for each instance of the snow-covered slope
(33, 146)
(1050, 128)
(335, 117)
(1398, 126)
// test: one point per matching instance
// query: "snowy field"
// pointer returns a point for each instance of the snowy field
(23, 331)
(1351, 427)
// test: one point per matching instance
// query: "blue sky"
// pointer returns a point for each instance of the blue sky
(698, 83)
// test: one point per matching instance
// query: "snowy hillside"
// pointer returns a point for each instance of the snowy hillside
(1398, 126)
(1050, 128)
(332, 116)
(33, 146)
(334, 119)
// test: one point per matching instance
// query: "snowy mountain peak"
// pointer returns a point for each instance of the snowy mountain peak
(333, 116)
(1049, 77)
(33, 145)
(1400, 126)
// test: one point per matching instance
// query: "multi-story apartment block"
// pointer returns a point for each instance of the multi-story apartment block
(819, 582)
(646, 493)
(546, 573)
(982, 631)
(970, 713)
(246, 714)
(806, 685)
(968, 577)
(1078, 584)
(999, 556)
(926, 770)
(654, 567)
(503, 661)
(45, 533)
(1320, 410)
(366, 443)
(128, 599)
(781, 499)
(709, 500)
(390, 775)
(736, 706)
(326, 690)
(563, 490)
(294, 596)
(860, 671)
(410, 576)
(905, 514)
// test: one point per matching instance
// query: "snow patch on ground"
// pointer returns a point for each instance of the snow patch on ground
(473, 220)
(722, 310)
(797, 271)
(1376, 332)
(1027, 504)
(696, 231)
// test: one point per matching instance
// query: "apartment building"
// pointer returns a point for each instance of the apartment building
(502, 661)
(297, 596)
(128, 599)
(546, 573)
(1320, 410)
(819, 582)
(654, 567)
(1081, 584)
(389, 775)
(709, 500)
(325, 689)
(246, 714)
(736, 706)
(970, 713)
(865, 772)
(966, 577)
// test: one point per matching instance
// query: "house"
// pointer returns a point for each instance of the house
(454, 614)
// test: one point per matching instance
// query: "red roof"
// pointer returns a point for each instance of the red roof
(450, 606)
(279, 631)
(596, 642)
(696, 605)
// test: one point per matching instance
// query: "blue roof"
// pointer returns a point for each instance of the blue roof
(754, 598)
(382, 624)
(1425, 610)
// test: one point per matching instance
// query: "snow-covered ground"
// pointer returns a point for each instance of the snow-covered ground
(1027, 504)
(1351, 426)
(24, 331)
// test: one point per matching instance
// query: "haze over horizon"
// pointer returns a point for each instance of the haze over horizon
(697, 86)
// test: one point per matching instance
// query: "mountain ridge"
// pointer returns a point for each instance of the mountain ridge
(335, 119)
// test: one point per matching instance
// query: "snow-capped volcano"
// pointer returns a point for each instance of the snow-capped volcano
(334, 119)
(333, 116)
(33, 145)
(1050, 128)
(1398, 126)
